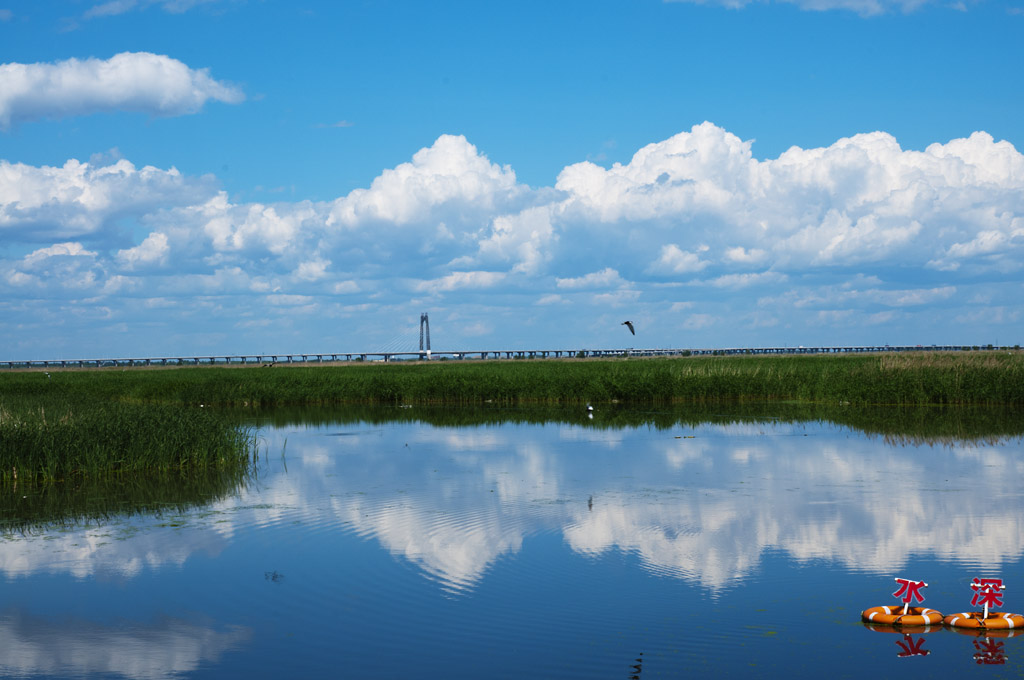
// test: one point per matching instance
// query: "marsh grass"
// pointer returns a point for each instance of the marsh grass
(895, 379)
(58, 438)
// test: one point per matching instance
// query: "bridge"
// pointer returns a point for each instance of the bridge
(459, 355)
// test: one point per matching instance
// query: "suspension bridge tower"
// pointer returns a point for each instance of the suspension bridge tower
(425, 334)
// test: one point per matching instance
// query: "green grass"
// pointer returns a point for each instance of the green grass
(896, 379)
(56, 438)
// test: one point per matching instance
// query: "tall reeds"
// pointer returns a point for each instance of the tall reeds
(918, 378)
(59, 439)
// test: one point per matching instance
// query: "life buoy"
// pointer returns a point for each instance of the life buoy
(894, 616)
(994, 621)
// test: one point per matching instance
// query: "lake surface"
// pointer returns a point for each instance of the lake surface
(377, 548)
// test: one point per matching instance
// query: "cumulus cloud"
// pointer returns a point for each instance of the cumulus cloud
(526, 238)
(153, 249)
(861, 200)
(450, 174)
(130, 81)
(60, 269)
(79, 199)
(860, 225)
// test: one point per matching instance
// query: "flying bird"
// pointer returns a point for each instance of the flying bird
(629, 324)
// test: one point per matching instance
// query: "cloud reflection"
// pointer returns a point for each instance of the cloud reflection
(703, 505)
(163, 649)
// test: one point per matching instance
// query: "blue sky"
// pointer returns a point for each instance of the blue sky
(243, 176)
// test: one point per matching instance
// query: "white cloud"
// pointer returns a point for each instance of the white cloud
(858, 225)
(345, 288)
(253, 227)
(907, 298)
(861, 200)
(152, 250)
(747, 280)
(862, 7)
(461, 280)
(116, 7)
(70, 249)
(525, 238)
(742, 255)
(111, 8)
(449, 173)
(130, 81)
(618, 298)
(675, 260)
(312, 270)
(606, 278)
(79, 199)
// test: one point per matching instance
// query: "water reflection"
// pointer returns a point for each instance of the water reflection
(161, 649)
(29, 508)
(695, 500)
(704, 509)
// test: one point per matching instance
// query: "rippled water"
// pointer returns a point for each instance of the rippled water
(402, 549)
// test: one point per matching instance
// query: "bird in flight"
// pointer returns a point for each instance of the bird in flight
(629, 325)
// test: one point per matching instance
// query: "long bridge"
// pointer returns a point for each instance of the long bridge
(492, 354)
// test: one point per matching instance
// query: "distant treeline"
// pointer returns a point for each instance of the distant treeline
(935, 378)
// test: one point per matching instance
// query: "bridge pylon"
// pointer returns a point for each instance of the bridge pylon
(425, 333)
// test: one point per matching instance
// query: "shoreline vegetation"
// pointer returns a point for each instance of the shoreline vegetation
(924, 378)
(47, 438)
(74, 423)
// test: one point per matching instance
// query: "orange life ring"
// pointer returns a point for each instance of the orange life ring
(995, 620)
(894, 616)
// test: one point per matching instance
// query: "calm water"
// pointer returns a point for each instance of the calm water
(401, 549)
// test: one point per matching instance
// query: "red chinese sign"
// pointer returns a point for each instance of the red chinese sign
(910, 589)
(987, 592)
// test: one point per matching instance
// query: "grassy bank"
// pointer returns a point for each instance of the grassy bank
(980, 378)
